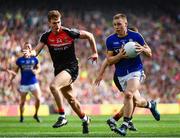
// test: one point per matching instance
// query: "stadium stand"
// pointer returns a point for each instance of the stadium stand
(159, 24)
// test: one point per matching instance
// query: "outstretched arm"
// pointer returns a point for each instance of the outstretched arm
(7, 70)
(16, 69)
(101, 72)
(91, 39)
(37, 49)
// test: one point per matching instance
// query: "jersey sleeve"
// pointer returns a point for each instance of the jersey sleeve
(18, 62)
(36, 60)
(140, 39)
(73, 33)
(44, 38)
(109, 45)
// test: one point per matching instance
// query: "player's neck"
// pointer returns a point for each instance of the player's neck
(27, 56)
(57, 31)
(122, 34)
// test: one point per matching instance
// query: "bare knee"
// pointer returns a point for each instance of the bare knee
(137, 102)
(53, 89)
(22, 103)
(38, 99)
(140, 102)
(128, 95)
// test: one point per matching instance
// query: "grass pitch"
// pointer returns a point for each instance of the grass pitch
(169, 126)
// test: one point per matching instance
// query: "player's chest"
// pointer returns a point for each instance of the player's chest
(59, 40)
(117, 44)
(27, 63)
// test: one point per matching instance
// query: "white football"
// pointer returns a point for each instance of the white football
(130, 49)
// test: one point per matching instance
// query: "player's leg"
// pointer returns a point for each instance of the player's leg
(143, 103)
(61, 80)
(132, 85)
(68, 94)
(140, 101)
(112, 120)
(22, 103)
(118, 115)
(131, 124)
(36, 92)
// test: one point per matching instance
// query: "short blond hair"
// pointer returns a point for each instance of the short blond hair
(54, 14)
(27, 45)
(120, 15)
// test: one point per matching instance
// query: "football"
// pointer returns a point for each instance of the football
(130, 49)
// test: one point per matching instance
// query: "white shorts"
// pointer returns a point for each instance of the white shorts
(29, 88)
(133, 75)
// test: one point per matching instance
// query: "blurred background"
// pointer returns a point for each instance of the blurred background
(157, 20)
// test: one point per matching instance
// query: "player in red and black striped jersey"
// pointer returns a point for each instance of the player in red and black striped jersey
(60, 42)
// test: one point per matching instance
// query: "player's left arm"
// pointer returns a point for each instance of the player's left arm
(90, 37)
(36, 70)
(142, 46)
(147, 50)
(101, 72)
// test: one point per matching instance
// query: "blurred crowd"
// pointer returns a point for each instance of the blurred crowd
(162, 70)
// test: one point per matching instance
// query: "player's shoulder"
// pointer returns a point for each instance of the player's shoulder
(20, 57)
(72, 32)
(34, 57)
(66, 29)
(132, 32)
(135, 33)
(111, 37)
(46, 33)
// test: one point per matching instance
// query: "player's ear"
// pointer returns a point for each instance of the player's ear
(49, 23)
(126, 24)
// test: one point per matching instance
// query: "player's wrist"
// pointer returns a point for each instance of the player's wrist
(33, 53)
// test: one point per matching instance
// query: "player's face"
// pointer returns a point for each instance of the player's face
(120, 26)
(55, 25)
(27, 50)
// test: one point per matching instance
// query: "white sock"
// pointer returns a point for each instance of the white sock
(112, 119)
(125, 123)
(85, 118)
(149, 104)
(64, 116)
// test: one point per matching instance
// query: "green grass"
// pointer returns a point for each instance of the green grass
(169, 126)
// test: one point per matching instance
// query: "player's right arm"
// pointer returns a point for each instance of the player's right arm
(37, 49)
(113, 59)
(40, 45)
(16, 69)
